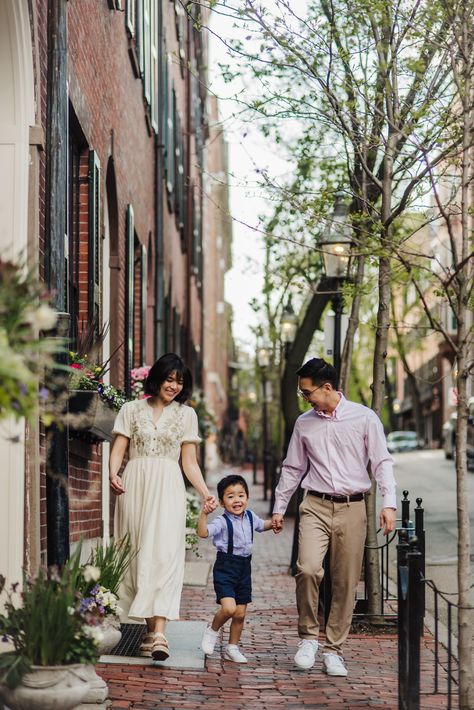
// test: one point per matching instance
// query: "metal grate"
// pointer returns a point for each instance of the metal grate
(130, 641)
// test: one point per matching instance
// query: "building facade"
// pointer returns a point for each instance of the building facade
(103, 140)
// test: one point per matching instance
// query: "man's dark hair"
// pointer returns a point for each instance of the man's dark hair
(319, 371)
(162, 369)
(231, 480)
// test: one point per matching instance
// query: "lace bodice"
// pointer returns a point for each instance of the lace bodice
(177, 425)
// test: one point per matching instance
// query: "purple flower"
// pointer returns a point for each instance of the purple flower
(43, 394)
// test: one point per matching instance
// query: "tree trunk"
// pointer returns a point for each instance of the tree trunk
(299, 348)
(465, 646)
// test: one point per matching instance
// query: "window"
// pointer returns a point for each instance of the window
(131, 16)
(154, 64)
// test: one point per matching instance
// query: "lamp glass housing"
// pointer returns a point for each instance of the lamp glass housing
(263, 356)
(335, 241)
(288, 324)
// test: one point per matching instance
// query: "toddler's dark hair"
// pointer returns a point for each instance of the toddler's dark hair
(231, 480)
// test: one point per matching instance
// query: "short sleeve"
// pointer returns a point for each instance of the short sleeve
(122, 421)
(191, 431)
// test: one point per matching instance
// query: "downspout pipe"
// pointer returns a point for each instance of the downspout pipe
(57, 462)
(160, 336)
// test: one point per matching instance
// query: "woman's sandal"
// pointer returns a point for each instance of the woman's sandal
(146, 644)
(159, 649)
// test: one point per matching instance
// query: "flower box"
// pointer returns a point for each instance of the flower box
(92, 419)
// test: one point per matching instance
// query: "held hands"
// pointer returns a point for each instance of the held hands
(277, 523)
(388, 518)
(209, 504)
(116, 484)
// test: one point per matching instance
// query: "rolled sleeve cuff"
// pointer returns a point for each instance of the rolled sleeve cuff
(389, 500)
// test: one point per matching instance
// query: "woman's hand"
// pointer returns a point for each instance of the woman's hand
(116, 484)
(209, 504)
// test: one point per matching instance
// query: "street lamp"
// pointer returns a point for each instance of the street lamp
(335, 243)
(263, 361)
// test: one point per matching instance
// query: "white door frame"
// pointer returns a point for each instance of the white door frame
(17, 114)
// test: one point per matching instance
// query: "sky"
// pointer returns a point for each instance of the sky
(248, 151)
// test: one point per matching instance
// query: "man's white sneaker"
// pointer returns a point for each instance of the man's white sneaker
(306, 653)
(334, 664)
(232, 653)
(209, 639)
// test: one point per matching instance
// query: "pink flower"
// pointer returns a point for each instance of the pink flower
(77, 366)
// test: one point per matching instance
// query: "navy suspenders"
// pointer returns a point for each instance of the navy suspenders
(230, 530)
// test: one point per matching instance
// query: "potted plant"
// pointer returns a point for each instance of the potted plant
(93, 405)
(101, 577)
(52, 641)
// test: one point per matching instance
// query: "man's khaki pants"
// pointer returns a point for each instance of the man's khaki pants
(343, 526)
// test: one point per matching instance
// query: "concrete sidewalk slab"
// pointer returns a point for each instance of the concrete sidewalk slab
(196, 573)
(184, 639)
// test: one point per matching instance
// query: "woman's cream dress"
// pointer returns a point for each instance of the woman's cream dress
(153, 507)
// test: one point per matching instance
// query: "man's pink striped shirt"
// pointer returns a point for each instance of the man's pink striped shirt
(337, 448)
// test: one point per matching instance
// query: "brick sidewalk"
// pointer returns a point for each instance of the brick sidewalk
(270, 679)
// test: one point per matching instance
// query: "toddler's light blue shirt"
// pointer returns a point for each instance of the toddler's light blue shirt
(217, 531)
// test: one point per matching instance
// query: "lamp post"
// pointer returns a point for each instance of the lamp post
(288, 326)
(263, 360)
(335, 243)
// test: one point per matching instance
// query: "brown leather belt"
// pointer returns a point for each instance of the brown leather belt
(338, 499)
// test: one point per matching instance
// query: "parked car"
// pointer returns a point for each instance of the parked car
(403, 441)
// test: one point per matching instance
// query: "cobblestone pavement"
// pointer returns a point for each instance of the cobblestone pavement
(270, 679)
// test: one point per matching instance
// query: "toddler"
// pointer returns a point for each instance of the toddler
(232, 534)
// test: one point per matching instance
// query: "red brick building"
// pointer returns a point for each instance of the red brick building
(103, 136)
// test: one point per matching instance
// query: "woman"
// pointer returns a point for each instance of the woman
(157, 432)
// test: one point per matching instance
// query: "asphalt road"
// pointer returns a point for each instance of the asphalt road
(428, 475)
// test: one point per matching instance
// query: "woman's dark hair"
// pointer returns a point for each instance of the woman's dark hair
(162, 368)
(319, 371)
(231, 480)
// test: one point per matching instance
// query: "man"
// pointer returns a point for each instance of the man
(333, 442)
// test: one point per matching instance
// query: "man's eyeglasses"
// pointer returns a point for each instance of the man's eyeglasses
(307, 395)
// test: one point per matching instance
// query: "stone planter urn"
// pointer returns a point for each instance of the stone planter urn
(92, 419)
(110, 628)
(48, 688)
(98, 691)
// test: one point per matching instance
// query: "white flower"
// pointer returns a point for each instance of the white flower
(44, 317)
(71, 611)
(93, 632)
(91, 573)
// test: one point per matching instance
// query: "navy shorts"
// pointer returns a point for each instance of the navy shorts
(233, 577)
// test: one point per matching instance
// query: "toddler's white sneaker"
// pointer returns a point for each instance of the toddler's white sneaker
(233, 653)
(306, 653)
(209, 638)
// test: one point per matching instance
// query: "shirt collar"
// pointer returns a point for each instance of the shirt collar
(336, 414)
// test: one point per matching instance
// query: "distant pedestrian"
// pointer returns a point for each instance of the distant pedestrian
(157, 433)
(333, 443)
(232, 534)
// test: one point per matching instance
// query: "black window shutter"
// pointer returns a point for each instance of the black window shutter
(129, 294)
(94, 246)
(143, 303)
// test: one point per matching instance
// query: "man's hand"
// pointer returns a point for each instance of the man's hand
(388, 519)
(277, 523)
